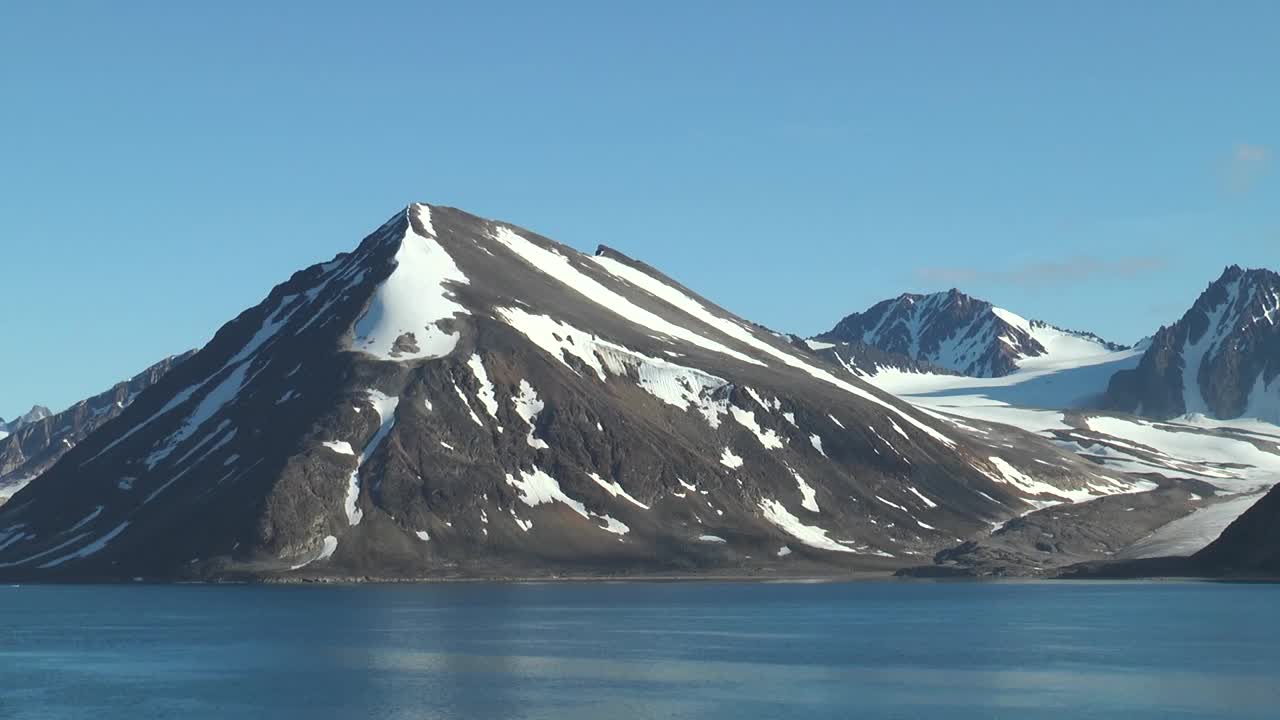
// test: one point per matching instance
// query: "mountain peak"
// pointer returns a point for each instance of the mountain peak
(35, 414)
(956, 331)
(1221, 358)
(608, 252)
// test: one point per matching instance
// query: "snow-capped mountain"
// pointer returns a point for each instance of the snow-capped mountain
(37, 439)
(969, 336)
(459, 396)
(1221, 359)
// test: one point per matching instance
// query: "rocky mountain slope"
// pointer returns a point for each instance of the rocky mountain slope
(1207, 475)
(36, 413)
(1221, 359)
(461, 397)
(40, 437)
(963, 334)
(1249, 546)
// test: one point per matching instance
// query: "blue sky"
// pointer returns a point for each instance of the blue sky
(162, 165)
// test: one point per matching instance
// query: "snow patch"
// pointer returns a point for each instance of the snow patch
(527, 405)
(811, 535)
(817, 444)
(412, 300)
(340, 446)
(768, 438)
(327, 546)
(729, 459)
(809, 496)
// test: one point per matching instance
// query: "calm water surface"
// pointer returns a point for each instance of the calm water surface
(741, 651)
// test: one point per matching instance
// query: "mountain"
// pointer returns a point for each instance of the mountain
(35, 414)
(39, 438)
(464, 398)
(964, 334)
(1221, 359)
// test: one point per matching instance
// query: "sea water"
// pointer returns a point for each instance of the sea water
(642, 650)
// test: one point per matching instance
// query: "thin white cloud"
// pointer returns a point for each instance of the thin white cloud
(1070, 271)
(1246, 164)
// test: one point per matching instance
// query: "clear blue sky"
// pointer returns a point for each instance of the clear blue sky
(163, 164)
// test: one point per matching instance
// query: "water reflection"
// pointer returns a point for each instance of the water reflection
(582, 651)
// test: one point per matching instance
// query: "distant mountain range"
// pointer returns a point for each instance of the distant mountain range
(460, 397)
(1220, 360)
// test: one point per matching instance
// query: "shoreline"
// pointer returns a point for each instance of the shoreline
(861, 577)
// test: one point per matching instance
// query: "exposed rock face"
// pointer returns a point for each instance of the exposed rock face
(39, 438)
(35, 414)
(1221, 359)
(463, 397)
(958, 332)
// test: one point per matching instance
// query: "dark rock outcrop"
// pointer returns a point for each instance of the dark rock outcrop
(1220, 359)
(1250, 546)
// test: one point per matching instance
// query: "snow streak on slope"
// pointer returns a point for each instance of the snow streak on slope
(385, 407)
(537, 487)
(1195, 351)
(811, 535)
(412, 301)
(560, 268)
(682, 301)
(673, 384)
